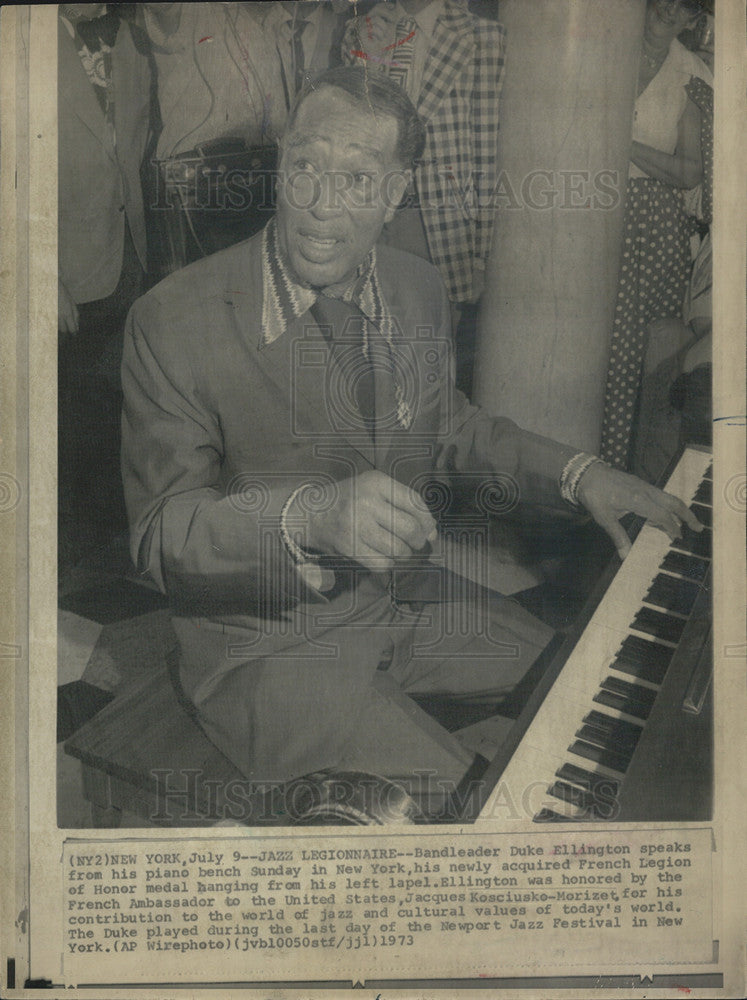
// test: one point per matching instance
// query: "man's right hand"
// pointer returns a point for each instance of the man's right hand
(67, 311)
(375, 521)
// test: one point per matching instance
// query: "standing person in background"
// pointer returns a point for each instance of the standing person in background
(219, 96)
(450, 63)
(666, 161)
(671, 351)
(217, 75)
(307, 35)
(104, 84)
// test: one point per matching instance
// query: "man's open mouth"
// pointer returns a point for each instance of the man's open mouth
(318, 249)
(321, 241)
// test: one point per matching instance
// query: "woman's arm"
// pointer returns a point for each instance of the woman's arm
(684, 167)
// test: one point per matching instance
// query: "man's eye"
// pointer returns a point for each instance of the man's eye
(303, 165)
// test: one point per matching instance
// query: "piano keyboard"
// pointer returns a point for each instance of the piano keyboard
(576, 752)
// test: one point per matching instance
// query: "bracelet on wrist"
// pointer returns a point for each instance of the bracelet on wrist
(572, 475)
(297, 552)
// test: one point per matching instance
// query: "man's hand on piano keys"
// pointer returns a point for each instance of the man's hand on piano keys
(609, 494)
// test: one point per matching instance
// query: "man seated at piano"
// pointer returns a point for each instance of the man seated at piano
(286, 402)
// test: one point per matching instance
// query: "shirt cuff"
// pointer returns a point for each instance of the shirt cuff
(572, 474)
(307, 563)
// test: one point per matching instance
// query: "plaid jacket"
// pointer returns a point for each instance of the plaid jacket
(458, 102)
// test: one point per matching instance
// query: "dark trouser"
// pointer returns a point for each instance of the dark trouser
(90, 500)
(344, 701)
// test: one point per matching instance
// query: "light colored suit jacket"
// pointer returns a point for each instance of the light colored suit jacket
(97, 184)
(219, 429)
(326, 48)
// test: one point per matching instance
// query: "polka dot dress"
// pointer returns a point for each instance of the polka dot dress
(701, 94)
(653, 275)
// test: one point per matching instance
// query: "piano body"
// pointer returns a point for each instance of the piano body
(620, 725)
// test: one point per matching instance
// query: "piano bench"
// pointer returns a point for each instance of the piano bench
(145, 754)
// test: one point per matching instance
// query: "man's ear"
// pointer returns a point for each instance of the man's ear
(395, 186)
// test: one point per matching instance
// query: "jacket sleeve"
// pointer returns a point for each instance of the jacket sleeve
(488, 83)
(473, 441)
(211, 548)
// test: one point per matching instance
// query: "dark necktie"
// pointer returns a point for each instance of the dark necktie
(298, 26)
(99, 31)
(352, 390)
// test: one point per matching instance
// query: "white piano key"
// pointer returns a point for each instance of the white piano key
(544, 747)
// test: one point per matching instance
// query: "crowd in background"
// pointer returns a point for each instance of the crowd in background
(169, 117)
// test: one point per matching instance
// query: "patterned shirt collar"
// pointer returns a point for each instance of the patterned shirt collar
(285, 300)
(425, 18)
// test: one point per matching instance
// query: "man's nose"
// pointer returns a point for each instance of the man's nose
(330, 194)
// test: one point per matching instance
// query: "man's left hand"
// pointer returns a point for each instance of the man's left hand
(608, 494)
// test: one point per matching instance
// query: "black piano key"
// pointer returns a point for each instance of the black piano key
(654, 675)
(629, 729)
(703, 514)
(697, 543)
(593, 734)
(593, 782)
(704, 493)
(690, 566)
(635, 649)
(619, 740)
(673, 585)
(635, 702)
(575, 796)
(658, 624)
(634, 691)
(600, 738)
(607, 758)
(672, 594)
(643, 658)
(602, 789)
(618, 701)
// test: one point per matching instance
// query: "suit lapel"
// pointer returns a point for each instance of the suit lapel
(396, 443)
(449, 52)
(129, 90)
(75, 87)
(296, 364)
(386, 400)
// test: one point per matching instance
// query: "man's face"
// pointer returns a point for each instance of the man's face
(341, 183)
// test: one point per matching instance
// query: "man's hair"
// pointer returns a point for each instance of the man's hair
(378, 95)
